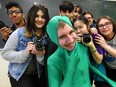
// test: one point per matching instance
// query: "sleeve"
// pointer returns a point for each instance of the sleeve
(48, 53)
(106, 79)
(9, 52)
(99, 48)
(55, 74)
(40, 59)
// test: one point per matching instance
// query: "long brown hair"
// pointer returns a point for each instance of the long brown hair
(108, 18)
(31, 19)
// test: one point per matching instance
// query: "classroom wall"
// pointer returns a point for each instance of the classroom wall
(97, 7)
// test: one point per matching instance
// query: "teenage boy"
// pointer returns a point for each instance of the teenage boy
(16, 15)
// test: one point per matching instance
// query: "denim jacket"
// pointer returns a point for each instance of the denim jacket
(16, 70)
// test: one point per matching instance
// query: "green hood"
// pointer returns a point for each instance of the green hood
(53, 26)
(64, 59)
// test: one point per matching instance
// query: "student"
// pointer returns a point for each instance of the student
(82, 27)
(66, 9)
(77, 11)
(90, 19)
(16, 15)
(107, 40)
(69, 65)
(26, 48)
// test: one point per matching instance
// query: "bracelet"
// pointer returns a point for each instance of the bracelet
(93, 51)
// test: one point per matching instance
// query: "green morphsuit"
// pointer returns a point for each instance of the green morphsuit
(69, 68)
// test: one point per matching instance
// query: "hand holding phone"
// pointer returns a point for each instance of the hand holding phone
(2, 24)
(5, 32)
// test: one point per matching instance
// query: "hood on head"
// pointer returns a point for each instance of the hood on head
(53, 26)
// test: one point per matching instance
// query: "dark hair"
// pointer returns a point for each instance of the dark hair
(80, 9)
(94, 21)
(32, 15)
(107, 18)
(13, 4)
(66, 6)
(82, 18)
(84, 13)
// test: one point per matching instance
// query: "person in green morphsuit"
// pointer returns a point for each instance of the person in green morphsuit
(69, 65)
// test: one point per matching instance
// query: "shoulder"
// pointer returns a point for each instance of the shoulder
(20, 30)
(55, 59)
(55, 62)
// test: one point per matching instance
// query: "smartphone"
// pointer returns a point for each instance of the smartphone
(2, 24)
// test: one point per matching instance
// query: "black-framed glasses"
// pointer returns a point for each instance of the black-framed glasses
(106, 24)
(16, 12)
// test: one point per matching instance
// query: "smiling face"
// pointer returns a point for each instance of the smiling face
(89, 18)
(105, 27)
(66, 37)
(80, 27)
(40, 19)
(15, 15)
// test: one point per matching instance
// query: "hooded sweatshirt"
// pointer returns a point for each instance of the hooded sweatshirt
(69, 68)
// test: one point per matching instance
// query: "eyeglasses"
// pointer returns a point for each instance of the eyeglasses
(16, 12)
(106, 24)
